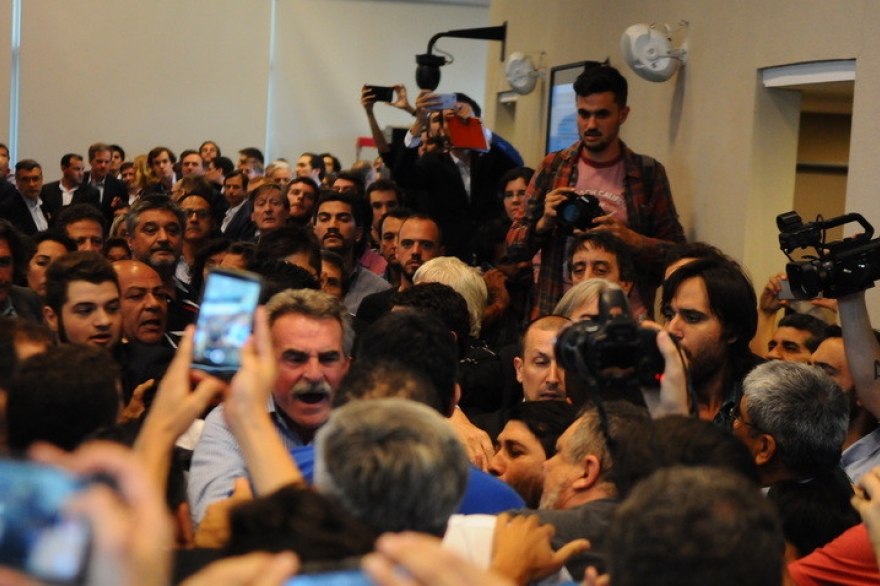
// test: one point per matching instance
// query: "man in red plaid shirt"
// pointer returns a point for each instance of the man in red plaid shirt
(632, 189)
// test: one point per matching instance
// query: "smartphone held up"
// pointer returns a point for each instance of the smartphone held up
(226, 319)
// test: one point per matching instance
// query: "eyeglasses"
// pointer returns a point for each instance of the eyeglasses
(736, 413)
(200, 214)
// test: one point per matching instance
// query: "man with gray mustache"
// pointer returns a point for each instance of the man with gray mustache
(312, 338)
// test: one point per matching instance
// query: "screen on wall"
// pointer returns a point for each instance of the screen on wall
(561, 109)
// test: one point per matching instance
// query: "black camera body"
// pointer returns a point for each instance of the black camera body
(613, 350)
(838, 268)
(579, 210)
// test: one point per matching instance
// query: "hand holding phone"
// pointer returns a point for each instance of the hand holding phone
(381, 93)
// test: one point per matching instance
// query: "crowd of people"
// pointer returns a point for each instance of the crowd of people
(403, 412)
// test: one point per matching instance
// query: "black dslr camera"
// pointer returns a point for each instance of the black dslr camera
(579, 210)
(613, 350)
(838, 268)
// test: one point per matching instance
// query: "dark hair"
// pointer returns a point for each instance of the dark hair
(695, 251)
(22, 249)
(601, 79)
(337, 261)
(418, 340)
(362, 213)
(356, 179)
(279, 275)
(385, 185)
(253, 153)
(387, 378)
(116, 243)
(462, 97)
(77, 213)
(608, 242)
(62, 396)
(126, 166)
(287, 240)
(115, 148)
(316, 162)
(677, 441)
(238, 173)
(337, 166)
(439, 300)
(157, 151)
(489, 236)
(200, 258)
(308, 181)
(246, 249)
(216, 146)
(147, 203)
(27, 165)
(296, 518)
(400, 212)
(54, 235)
(815, 511)
(695, 526)
(225, 165)
(12, 331)
(75, 266)
(196, 185)
(807, 323)
(731, 298)
(547, 420)
(524, 173)
(187, 153)
(67, 159)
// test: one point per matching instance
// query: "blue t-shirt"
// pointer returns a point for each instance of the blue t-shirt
(484, 494)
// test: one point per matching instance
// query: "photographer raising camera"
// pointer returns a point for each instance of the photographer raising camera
(597, 184)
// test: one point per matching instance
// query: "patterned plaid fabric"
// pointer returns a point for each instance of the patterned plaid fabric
(652, 215)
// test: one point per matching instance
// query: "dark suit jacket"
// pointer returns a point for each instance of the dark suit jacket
(15, 210)
(52, 200)
(241, 227)
(445, 198)
(114, 189)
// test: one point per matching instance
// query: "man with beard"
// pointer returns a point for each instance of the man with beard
(710, 307)
(341, 225)
(389, 226)
(155, 227)
(418, 241)
(632, 190)
(312, 337)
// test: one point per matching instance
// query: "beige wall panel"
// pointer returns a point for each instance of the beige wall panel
(140, 74)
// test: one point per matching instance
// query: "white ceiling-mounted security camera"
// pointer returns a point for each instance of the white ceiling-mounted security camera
(649, 51)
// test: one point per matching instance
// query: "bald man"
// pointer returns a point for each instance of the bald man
(144, 304)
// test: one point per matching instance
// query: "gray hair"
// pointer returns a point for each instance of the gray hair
(466, 281)
(804, 410)
(582, 293)
(393, 464)
(153, 202)
(312, 303)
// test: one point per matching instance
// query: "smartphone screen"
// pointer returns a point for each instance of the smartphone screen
(382, 93)
(446, 102)
(226, 317)
(36, 536)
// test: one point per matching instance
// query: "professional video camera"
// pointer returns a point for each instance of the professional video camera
(612, 350)
(838, 268)
(579, 210)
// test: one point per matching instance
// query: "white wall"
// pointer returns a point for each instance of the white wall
(178, 72)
